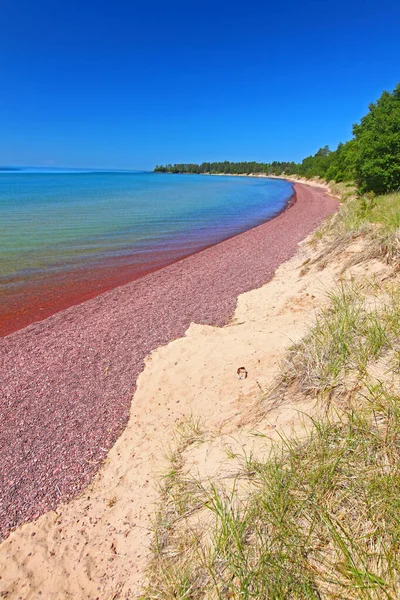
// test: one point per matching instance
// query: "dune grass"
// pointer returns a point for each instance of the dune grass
(319, 516)
(359, 325)
(374, 219)
(359, 210)
(380, 210)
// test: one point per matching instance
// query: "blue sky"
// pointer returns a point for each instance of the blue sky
(128, 84)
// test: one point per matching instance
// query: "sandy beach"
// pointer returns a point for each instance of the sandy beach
(68, 383)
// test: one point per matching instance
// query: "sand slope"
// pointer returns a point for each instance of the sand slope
(97, 545)
(67, 382)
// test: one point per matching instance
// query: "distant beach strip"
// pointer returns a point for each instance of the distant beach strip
(68, 381)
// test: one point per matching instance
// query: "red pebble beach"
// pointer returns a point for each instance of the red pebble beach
(68, 381)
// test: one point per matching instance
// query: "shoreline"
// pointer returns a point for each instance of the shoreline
(100, 543)
(70, 379)
(45, 297)
(314, 182)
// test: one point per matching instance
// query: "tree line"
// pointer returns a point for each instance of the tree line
(371, 158)
(233, 168)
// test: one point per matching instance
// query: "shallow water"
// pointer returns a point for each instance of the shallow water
(101, 229)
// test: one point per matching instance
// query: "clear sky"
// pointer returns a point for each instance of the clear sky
(127, 84)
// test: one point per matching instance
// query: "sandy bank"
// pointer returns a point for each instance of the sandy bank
(67, 388)
(97, 545)
(313, 182)
(67, 382)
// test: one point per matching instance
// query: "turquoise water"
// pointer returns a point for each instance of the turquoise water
(58, 221)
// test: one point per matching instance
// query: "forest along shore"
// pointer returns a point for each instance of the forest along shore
(68, 381)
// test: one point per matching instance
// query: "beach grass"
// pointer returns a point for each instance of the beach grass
(373, 219)
(318, 516)
(359, 325)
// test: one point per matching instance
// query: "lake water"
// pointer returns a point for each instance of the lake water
(94, 230)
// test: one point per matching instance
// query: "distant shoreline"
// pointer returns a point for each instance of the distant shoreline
(315, 182)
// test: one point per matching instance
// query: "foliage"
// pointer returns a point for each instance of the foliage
(371, 158)
(342, 167)
(377, 140)
(317, 520)
(375, 218)
(353, 330)
(233, 168)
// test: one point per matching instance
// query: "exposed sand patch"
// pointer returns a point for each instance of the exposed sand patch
(96, 546)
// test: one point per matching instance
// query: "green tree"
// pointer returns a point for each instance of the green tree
(342, 167)
(377, 145)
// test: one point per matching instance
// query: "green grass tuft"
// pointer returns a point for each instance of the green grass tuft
(356, 328)
(320, 519)
(317, 518)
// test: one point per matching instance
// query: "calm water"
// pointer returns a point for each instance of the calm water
(60, 221)
(69, 236)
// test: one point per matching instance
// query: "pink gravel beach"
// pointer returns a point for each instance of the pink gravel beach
(68, 381)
